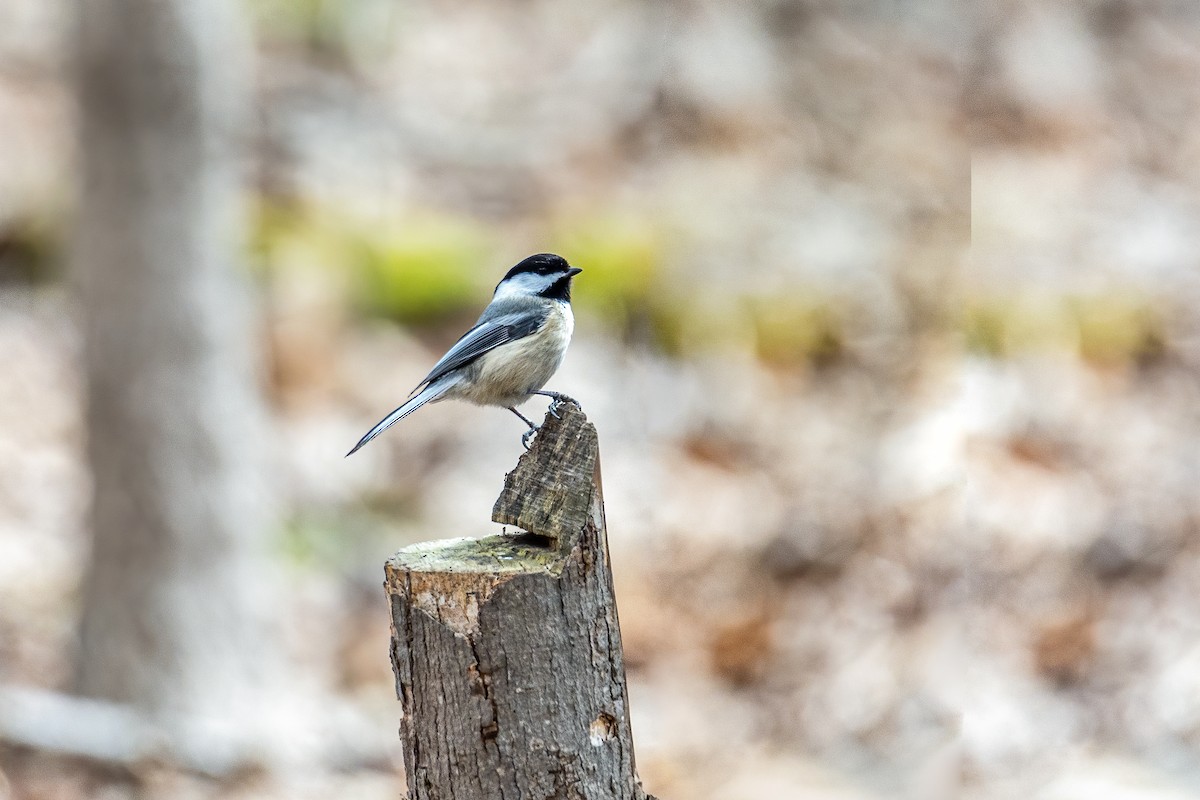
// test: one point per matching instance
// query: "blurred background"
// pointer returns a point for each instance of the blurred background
(887, 324)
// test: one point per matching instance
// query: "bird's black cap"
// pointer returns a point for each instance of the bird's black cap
(541, 264)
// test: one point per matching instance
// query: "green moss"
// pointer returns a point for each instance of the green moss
(426, 272)
(983, 328)
(433, 270)
(621, 257)
(319, 26)
(1001, 327)
(1040, 323)
(794, 330)
(1105, 329)
(1116, 328)
(307, 540)
(499, 554)
(669, 325)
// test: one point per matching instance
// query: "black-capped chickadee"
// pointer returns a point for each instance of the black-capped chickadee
(516, 345)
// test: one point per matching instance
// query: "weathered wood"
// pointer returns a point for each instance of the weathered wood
(507, 649)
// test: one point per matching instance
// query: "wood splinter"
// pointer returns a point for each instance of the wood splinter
(507, 649)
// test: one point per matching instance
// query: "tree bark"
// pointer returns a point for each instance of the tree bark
(507, 649)
(174, 594)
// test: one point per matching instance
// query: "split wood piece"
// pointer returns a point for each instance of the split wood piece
(507, 649)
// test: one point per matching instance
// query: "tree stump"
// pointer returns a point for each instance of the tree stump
(507, 649)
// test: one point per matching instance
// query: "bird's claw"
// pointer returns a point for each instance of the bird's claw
(557, 401)
(525, 437)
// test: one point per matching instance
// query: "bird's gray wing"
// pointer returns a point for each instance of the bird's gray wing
(487, 335)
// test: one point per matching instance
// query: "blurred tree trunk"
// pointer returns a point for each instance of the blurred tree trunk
(173, 594)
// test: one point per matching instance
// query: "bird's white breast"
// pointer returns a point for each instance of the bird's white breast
(505, 376)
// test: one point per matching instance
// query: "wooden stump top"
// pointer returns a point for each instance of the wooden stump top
(551, 496)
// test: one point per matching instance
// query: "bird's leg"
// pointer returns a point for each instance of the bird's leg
(524, 418)
(556, 400)
(532, 428)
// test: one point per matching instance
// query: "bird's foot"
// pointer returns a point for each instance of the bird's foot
(525, 437)
(556, 402)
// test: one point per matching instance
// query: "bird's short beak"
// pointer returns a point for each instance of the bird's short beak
(573, 271)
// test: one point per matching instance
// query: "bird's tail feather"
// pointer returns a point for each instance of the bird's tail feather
(426, 395)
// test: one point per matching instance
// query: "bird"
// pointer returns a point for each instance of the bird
(514, 348)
